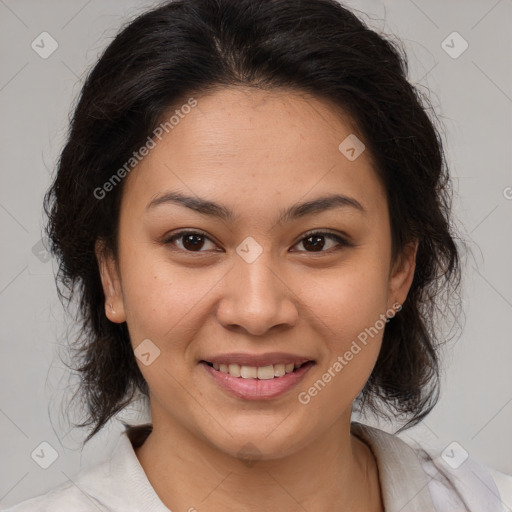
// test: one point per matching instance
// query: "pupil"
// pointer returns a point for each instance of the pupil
(189, 239)
(317, 244)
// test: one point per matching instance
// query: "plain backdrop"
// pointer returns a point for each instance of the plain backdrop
(471, 91)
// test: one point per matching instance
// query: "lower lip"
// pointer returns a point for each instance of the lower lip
(257, 389)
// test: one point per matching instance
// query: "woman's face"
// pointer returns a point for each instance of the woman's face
(252, 288)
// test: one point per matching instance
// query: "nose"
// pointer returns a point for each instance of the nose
(258, 297)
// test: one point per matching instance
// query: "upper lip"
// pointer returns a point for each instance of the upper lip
(244, 359)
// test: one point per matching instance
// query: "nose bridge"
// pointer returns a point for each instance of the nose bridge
(256, 278)
(256, 297)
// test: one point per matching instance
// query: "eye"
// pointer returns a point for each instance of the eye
(189, 241)
(315, 240)
(195, 241)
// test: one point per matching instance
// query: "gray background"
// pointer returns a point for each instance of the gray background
(473, 95)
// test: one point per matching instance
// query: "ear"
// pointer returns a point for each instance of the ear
(402, 274)
(110, 280)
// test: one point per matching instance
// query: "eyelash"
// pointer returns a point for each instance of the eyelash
(341, 241)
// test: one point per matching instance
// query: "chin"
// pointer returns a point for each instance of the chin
(254, 440)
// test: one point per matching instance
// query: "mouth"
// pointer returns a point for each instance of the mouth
(267, 372)
(260, 380)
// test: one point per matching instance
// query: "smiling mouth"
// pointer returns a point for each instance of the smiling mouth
(268, 372)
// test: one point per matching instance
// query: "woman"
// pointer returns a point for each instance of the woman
(253, 209)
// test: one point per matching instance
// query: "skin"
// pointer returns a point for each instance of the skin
(257, 153)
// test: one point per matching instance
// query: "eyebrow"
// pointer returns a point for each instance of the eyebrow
(206, 207)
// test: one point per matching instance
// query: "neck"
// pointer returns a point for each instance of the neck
(335, 472)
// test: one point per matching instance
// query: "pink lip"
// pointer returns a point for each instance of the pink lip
(256, 389)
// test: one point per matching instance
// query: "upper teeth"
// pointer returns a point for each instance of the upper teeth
(256, 372)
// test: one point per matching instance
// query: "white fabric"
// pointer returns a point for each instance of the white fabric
(412, 480)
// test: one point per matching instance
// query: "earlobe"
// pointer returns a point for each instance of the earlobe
(111, 283)
(403, 273)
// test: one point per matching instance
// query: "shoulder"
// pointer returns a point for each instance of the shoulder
(78, 494)
(64, 498)
(453, 472)
(115, 484)
(455, 481)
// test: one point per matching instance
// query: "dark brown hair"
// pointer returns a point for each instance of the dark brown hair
(187, 47)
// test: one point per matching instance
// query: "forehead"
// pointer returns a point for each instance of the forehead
(254, 147)
(241, 122)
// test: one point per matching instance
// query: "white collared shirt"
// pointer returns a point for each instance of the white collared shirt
(411, 479)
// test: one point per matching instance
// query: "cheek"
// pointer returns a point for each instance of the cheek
(349, 304)
(349, 298)
(159, 298)
(167, 306)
